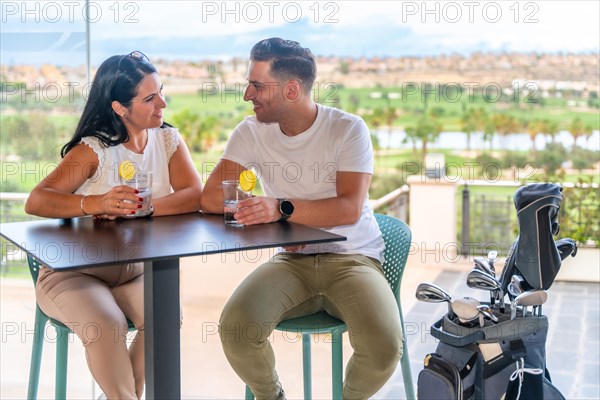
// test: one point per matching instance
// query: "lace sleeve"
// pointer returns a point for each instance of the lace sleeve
(98, 148)
(170, 137)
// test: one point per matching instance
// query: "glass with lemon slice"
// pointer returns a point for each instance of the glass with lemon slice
(235, 191)
(140, 180)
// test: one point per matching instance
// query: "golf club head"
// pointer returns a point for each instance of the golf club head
(484, 266)
(465, 309)
(478, 279)
(526, 299)
(487, 312)
(492, 256)
(431, 293)
(517, 286)
(513, 290)
(531, 298)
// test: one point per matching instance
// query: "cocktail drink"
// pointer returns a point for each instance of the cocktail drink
(232, 195)
(235, 191)
(142, 181)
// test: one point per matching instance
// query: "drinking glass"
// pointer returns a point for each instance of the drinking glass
(232, 194)
(142, 181)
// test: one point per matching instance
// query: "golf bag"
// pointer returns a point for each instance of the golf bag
(478, 362)
(504, 356)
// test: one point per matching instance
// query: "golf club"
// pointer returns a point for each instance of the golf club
(516, 286)
(431, 293)
(477, 279)
(492, 255)
(487, 312)
(526, 299)
(484, 266)
(466, 310)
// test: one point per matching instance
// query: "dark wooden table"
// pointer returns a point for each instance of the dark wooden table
(159, 242)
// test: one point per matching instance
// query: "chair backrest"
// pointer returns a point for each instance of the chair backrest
(34, 268)
(397, 237)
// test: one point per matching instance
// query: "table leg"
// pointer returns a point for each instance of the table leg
(162, 329)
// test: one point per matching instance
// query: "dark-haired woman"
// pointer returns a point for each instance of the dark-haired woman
(122, 121)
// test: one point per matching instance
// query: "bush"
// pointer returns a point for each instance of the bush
(579, 213)
(384, 184)
(490, 168)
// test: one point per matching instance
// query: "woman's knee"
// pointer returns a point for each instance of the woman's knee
(103, 328)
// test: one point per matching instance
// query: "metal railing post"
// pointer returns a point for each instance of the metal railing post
(465, 221)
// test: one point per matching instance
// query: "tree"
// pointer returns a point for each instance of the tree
(476, 120)
(468, 126)
(551, 129)
(33, 136)
(389, 114)
(588, 130)
(200, 132)
(505, 125)
(576, 129)
(427, 130)
(534, 127)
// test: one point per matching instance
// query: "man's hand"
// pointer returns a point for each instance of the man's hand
(258, 210)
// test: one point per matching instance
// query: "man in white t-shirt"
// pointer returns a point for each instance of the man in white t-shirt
(315, 165)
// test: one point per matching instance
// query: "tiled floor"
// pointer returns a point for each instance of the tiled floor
(573, 345)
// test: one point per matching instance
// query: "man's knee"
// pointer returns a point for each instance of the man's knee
(386, 352)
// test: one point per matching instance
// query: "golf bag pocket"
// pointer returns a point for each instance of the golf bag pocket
(441, 380)
(438, 380)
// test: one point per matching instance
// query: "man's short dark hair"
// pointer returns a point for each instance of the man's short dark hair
(288, 60)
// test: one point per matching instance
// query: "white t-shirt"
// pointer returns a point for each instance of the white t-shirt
(162, 143)
(305, 166)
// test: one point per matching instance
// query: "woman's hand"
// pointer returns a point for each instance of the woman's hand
(120, 201)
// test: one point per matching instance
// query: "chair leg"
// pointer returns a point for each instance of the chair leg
(409, 387)
(307, 366)
(36, 353)
(336, 365)
(249, 394)
(62, 355)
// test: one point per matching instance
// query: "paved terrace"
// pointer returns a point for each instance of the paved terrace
(573, 345)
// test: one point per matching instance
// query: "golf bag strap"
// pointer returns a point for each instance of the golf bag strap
(479, 386)
(472, 363)
(454, 340)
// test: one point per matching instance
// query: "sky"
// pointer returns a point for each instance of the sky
(36, 32)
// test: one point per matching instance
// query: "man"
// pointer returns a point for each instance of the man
(315, 165)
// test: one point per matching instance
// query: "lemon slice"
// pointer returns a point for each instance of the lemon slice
(127, 170)
(247, 180)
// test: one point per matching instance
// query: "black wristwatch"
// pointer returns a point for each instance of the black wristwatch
(286, 208)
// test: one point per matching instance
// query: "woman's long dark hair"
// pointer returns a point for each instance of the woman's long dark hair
(117, 79)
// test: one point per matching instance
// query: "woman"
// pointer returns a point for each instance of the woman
(122, 121)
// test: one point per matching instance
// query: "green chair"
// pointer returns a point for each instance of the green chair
(62, 345)
(397, 237)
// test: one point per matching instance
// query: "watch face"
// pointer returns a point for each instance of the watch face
(286, 207)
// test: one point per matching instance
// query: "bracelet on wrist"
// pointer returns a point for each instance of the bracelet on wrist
(81, 204)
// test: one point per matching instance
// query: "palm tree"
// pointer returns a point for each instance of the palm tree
(484, 124)
(504, 124)
(374, 119)
(551, 129)
(389, 114)
(427, 130)
(534, 127)
(468, 126)
(577, 129)
(588, 130)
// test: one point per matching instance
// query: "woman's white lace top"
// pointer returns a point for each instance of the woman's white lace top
(162, 144)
